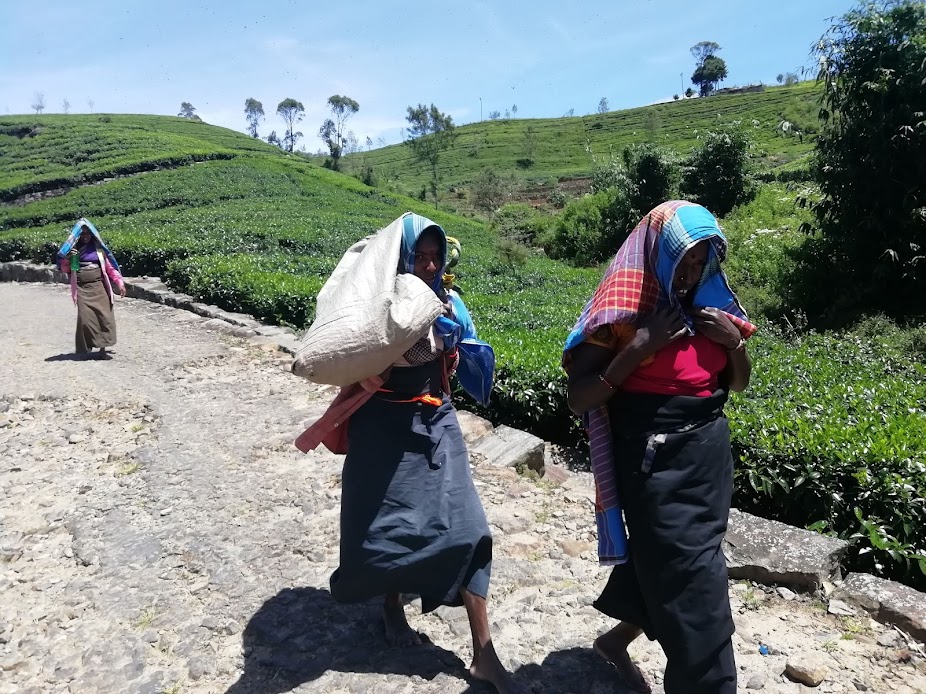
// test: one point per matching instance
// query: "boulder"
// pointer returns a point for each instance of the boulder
(507, 447)
(809, 670)
(770, 552)
(887, 601)
(474, 427)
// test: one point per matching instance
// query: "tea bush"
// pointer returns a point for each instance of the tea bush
(831, 432)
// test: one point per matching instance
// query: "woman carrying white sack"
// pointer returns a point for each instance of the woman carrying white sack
(411, 520)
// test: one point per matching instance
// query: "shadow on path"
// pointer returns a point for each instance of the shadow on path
(300, 634)
(70, 356)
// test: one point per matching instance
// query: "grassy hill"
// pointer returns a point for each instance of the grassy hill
(243, 225)
(560, 143)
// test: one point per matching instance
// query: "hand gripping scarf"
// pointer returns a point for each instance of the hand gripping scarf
(637, 282)
(477, 359)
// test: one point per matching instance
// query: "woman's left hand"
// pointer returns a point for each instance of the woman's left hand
(122, 291)
(714, 324)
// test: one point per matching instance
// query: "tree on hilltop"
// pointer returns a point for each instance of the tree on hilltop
(428, 135)
(703, 50)
(253, 112)
(332, 130)
(291, 111)
(187, 110)
(66, 106)
(710, 70)
(38, 102)
(603, 105)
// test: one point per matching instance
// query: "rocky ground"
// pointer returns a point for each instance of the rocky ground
(159, 533)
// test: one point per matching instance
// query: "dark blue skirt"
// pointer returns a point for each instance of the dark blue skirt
(411, 520)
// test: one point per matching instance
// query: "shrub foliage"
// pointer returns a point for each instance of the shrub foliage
(870, 161)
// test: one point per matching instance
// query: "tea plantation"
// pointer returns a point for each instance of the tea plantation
(831, 433)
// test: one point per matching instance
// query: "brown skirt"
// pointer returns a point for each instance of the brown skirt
(96, 325)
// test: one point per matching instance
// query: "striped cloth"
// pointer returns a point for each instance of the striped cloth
(637, 282)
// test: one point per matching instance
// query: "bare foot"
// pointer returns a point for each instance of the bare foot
(488, 668)
(615, 652)
(398, 632)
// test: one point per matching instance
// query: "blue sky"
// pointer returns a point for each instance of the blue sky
(544, 56)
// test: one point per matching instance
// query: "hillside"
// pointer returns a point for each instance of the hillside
(560, 143)
(49, 152)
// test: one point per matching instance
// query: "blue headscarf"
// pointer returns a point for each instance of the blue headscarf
(477, 359)
(72, 238)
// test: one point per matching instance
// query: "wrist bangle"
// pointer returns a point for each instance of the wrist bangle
(739, 346)
(608, 383)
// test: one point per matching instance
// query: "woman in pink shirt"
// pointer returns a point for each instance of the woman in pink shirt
(650, 363)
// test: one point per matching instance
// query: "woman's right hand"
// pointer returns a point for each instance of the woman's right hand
(659, 329)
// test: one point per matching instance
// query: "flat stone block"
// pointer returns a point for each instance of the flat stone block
(509, 447)
(888, 602)
(767, 552)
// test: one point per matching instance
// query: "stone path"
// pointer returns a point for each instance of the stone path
(159, 533)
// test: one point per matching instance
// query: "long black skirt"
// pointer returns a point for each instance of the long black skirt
(411, 520)
(675, 476)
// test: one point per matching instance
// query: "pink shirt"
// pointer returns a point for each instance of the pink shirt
(686, 366)
(690, 365)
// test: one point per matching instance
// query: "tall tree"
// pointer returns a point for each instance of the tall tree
(90, 104)
(870, 162)
(38, 102)
(253, 112)
(603, 105)
(429, 134)
(187, 110)
(291, 111)
(514, 110)
(710, 69)
(703, 50)
(332, 130)
(66, 105)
